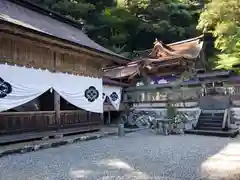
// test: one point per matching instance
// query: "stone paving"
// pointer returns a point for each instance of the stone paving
(137, 156)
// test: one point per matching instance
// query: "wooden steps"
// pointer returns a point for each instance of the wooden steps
(210, 121)
(211, 124)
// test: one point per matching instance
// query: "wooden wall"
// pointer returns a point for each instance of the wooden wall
(25, 52)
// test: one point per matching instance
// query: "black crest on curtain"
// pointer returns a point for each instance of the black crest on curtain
(5, 88)
(91, 94)
(114, 96)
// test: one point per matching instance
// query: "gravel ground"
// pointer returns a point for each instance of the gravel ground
(137, 156)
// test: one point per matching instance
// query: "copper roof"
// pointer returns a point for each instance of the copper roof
(160, 55)
(188, 49)
(25, 14)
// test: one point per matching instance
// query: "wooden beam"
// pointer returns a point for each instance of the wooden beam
(57, 103)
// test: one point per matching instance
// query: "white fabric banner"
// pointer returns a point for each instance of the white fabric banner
(19, 85)
(83, 92)
(114, 95)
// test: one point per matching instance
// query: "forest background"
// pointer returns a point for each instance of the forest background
(125, 26)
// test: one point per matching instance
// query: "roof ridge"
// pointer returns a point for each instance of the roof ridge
(170, 44)
(186, 40)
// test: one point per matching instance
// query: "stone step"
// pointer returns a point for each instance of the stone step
(217, 120)
(212, 114)
(210, 124)
(209, 128)
(211, 119)
(230, 133)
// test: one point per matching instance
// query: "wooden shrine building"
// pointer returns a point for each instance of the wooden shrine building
(50, 71)
(202, 95)
(161, 60)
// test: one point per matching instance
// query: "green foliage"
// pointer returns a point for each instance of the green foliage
(127, 25)
(222, 19)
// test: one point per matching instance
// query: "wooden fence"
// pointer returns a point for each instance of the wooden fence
(19, 122)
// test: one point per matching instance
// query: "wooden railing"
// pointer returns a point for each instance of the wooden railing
(150, 95)
(154, 96)
(235, 90)
(79, 119)
(95, 118)
(19, 122)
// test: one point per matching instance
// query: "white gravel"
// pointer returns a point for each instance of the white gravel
(137, 156)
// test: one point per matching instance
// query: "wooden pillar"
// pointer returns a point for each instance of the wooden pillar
(109, 117)
(203, 59)
(57, 108)
(146, 79)
(56, 97)
(102, 119)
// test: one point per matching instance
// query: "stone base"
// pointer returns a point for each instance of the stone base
(229, 133)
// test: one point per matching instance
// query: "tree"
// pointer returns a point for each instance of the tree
(127, 25)
(221, 18)
(78, 10)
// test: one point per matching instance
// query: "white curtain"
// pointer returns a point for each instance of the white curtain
(114, 94)
(19, 85)
(83, 92)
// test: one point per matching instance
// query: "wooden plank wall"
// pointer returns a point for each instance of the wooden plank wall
(20, 51)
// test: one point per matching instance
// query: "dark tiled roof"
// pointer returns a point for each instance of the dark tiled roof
(17, 14)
